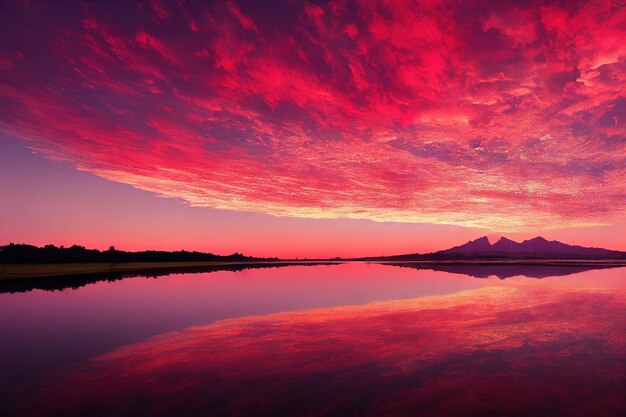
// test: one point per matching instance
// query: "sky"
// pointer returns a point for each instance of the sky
(340, 128)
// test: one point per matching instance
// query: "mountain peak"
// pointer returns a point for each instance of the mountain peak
(504, 239)
(505, 245)
(481, 244)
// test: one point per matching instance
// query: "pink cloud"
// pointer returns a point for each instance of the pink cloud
(508, 117)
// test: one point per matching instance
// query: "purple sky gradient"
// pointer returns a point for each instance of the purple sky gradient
(50, 202)
(338, 128)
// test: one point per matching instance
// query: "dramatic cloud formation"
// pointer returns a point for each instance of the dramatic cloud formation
(504, 115)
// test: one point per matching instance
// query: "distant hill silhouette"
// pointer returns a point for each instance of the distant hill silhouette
(481, 248)
(29, 254)
(536, 248)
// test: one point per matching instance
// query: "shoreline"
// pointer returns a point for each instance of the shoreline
(512, 261)
(25, 271)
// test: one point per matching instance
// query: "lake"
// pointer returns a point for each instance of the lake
(330, 340)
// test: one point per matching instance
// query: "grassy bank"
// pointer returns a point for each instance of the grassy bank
(16, 271)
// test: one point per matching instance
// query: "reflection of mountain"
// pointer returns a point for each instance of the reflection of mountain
(536, 248)
(503, 271)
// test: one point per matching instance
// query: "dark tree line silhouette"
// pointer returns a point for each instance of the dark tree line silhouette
(29, 254)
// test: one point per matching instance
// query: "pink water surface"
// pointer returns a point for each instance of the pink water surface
(555, 333)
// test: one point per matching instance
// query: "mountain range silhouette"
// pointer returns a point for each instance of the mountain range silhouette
(535, 248)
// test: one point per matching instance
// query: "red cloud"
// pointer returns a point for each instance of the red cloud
(508, 116)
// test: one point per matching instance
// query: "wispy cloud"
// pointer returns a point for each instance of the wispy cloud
(508, 116)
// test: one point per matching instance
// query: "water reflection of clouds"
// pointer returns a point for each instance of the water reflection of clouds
(516, 350)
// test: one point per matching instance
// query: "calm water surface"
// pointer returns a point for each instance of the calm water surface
(350, 339)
